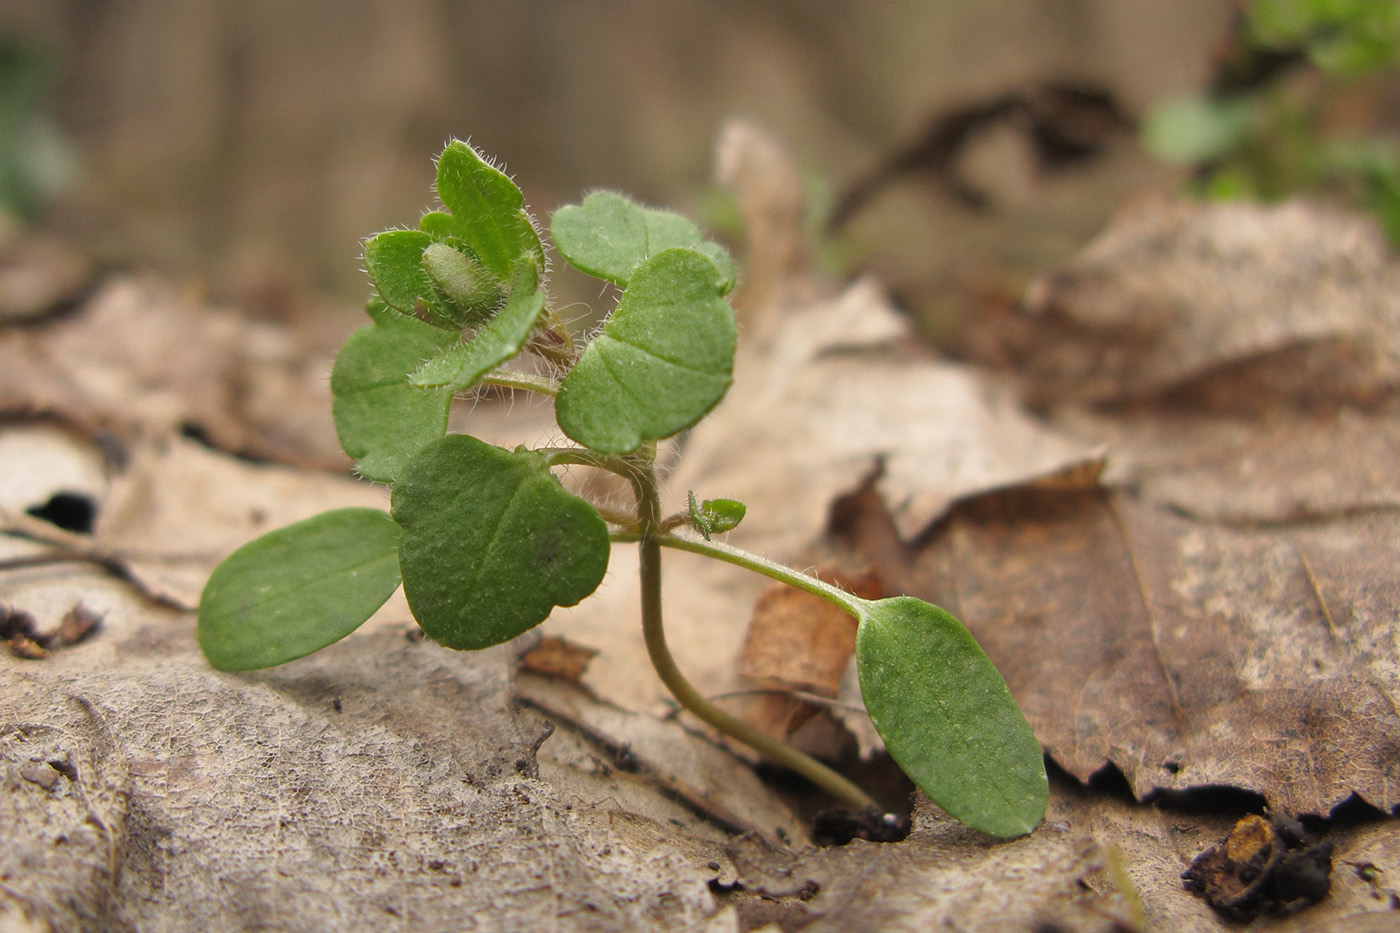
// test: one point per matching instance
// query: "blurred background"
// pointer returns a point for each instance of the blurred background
(957, 147)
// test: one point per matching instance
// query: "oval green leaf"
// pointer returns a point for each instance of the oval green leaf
(663, 359)
(947, 717)
(460, 366)
(492, 542)
(487, 211)
(380, 418)
(609, 236)
(298, 589)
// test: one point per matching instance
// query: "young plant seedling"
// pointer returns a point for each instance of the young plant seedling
(486, 541)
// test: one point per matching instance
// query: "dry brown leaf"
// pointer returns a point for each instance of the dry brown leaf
(1223, 612)
(557, 657)
(139, 358)
(1294, 303)
(798, 647)
(1185, 653)
(797, 641)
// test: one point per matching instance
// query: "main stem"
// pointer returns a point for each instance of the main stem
(649, 545)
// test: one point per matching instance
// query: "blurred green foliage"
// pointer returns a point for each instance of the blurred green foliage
(35, 161)
(1261, 130)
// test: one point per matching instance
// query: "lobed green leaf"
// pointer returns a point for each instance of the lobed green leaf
(380, 418)
(663, 359)
(460, 366)
(487, 211)
(492, 542)
(947, 717)
(298, 589)
(609, 236)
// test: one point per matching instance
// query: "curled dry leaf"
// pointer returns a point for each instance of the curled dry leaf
(1221, 611)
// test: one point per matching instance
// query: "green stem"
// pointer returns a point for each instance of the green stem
(649, 541)
(626, 467)
(768, 568)
(509, 379)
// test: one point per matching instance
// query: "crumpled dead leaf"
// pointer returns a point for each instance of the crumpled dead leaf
(797, 651)
(1221, 611)
(137, 357)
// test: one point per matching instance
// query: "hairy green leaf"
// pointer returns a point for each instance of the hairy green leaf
(492, 542)
(947, 717)
(380, 418)
(609, 236)
(664, 358)
(298, 589)
(463, 281)
(487, 211)
(394, 260)
(460, 366)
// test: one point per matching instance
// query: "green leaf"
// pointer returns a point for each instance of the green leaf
(381, 419)
(715, 516)
(947, 717)
(664, 358)
(460, 366)
(394, 260)
(298, 589)
(487, 211)
(609, 236)
(492, 542)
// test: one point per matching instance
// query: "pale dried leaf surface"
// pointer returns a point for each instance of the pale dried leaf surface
(329, 794)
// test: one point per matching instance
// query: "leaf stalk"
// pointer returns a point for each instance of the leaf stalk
(649, 542)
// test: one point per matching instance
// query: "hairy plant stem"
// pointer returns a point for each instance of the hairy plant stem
(649, 540)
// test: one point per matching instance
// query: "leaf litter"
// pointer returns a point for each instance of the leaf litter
(1215, 610)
